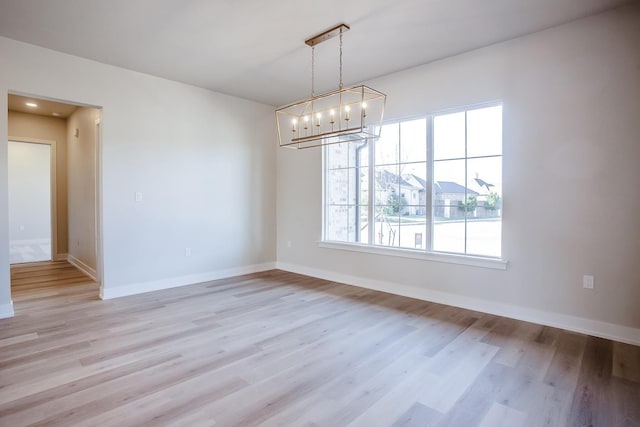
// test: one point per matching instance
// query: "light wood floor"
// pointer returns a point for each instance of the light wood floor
(280, 349)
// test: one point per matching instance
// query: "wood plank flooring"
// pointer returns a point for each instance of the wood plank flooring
(280, 349)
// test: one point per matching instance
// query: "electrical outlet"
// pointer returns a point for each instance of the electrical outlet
(588, 282)
(288, 243)
(187, 251)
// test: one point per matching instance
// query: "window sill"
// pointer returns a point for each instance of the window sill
(475, 261)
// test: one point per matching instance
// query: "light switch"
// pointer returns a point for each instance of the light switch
(587, 282)
(138, 196)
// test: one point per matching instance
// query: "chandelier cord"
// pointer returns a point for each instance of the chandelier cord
(341, 59)
(313, 60)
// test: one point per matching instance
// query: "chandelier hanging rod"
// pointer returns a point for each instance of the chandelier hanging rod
(329, 34)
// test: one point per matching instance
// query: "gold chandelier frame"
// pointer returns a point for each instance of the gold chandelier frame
(342, 115)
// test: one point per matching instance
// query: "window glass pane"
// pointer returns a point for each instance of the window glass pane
(387, 146)
(448, 136)
(484, 235)
(347, 186)
(337, 155)
(413, 141)
(387, 224)
(363, 153)
(484, 131)
(413, 227)
(363, 225)
(450, 199)
(484, 227)
(387, 184)
(484, 176)
(414, 180)
(448, 229)
(341, 223)
(362, 192)
(357, 154)
(336, 223)
(448, 181)
(337, 187)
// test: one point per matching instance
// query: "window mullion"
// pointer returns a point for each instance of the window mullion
(325, 175)
(371, 198)
(429, 189)
(466, 180)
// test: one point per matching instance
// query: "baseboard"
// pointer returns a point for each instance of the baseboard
(30, 242)
(89, 271)
(596, 328)
(61, 257)
(174, 282)
(6, 310)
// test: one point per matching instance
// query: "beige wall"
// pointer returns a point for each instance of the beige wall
(32, 126)
(81, 158)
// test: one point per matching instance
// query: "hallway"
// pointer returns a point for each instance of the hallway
(34, 284)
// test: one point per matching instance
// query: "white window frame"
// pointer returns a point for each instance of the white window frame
(403, 252)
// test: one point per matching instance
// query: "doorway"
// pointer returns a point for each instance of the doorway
(31, 204)
(67, 135)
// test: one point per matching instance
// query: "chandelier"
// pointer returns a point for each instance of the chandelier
(342, 115)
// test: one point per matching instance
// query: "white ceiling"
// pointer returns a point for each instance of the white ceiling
(255, 48)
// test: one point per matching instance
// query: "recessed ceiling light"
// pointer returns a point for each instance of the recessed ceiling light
(55, 114)
(31, 104)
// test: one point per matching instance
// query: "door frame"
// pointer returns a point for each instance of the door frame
(55, 256)
(98, 202)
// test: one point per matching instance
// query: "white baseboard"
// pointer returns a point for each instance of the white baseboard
(596, 328)
(28, 242)
(89, 271)
(6, 310)
(174, 282)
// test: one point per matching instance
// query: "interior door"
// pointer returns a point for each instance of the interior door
(29, 202)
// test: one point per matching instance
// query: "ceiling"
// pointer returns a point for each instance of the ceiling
(255, 49)
(44, 107)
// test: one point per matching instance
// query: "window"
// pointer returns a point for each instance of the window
(432, 183)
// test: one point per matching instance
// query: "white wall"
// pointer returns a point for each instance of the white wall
(188, 150)
(571, 167)
(81, 187)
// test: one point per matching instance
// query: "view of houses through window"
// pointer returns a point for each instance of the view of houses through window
(432, 183)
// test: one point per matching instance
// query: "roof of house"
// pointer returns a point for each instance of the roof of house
(384, 178)
(452, 188)
(421, 182)
(442, 186)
